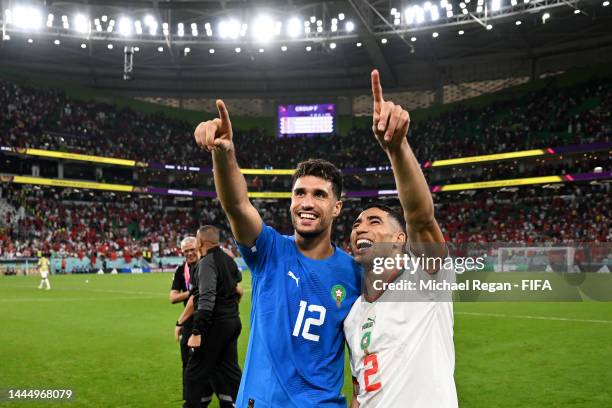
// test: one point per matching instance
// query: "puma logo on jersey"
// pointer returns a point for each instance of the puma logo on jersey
(295, 278)
(369, 323)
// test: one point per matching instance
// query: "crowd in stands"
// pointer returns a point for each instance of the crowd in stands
(76, 223)
(48, 119)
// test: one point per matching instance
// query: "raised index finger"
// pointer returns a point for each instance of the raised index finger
(376, 90)
(223, 114)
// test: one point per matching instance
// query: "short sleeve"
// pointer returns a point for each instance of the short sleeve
(177, 280)
(265, 245)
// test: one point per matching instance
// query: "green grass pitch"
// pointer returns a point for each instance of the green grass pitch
(109, 338)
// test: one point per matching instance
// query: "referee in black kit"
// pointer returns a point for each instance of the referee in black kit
(216, 325)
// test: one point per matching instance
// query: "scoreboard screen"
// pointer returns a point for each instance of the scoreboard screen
(306, 120)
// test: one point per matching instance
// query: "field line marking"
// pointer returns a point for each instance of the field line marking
(562, 319)
(56, 299)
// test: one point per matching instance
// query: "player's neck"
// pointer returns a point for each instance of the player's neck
(318, 247)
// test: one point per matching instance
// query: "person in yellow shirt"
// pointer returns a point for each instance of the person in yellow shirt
(43, 269)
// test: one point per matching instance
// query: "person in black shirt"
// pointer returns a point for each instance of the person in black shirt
(180, 292)
(216, 324)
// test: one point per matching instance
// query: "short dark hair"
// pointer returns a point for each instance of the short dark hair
(210, 233)
(394, 213)
(322, 169)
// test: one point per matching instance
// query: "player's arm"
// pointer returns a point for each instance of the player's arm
(177, 296)
(354, 401)
(216, 136)
(390, 126)
(185, 315)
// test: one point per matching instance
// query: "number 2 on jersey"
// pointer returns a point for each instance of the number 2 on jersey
(371, 358)
(311, 321)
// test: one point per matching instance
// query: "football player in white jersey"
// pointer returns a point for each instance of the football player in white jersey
(401, 343)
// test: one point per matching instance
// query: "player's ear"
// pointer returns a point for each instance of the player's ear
(401, 237)
(337, 208)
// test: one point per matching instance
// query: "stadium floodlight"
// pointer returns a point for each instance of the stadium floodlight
(526, 1)
(261, 50)
(6, 37)
(332, 45)
(97, 21)
(8, 16)
(137, 49)
(81, 24)
(208, 29)
(319, 29)
(181, 29)
(461, 32)
(229, 29)
(263, 29)
(427, 5)
(462, 5)
(104, 19)
(125, 26)
(243, 29)
(393, 11)
(410, 15)
(211, 51)
(294, 27)
(489, 26)
(278, 28)
(56, 42)
(83, 45)
(160, 49)
(495, 5)
(383, 41)
(413, 39)
(319, 23)
(358, 44)
(577, 11)
(605, 3)
(194, 29)
(545, 17)
(465, 11)
(237, 50)
(313, 19)
(111, 26)
(420, 14)
(165, 29)
(434, 34)
(518, 22)
(308, 48)
(396, 21)
(349, 26)
(138, 27)
(187, 50)
(334, 21)
(434, 12)
(514, 2)
(478, 9)
(341, 16)
(283, 48)
(50, 18)
(334, 28)
(27, 17)
(449, 14)
(109, 46)
(30, 41)
(443, 3)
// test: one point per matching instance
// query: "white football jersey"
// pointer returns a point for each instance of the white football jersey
(402, 352)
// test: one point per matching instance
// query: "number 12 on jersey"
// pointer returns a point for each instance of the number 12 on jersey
(311, 321)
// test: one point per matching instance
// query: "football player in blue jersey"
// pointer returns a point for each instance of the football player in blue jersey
(303, 285)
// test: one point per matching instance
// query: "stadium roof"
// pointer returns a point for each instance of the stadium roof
(453, 47)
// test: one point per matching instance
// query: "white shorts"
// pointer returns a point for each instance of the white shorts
(44, 275)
